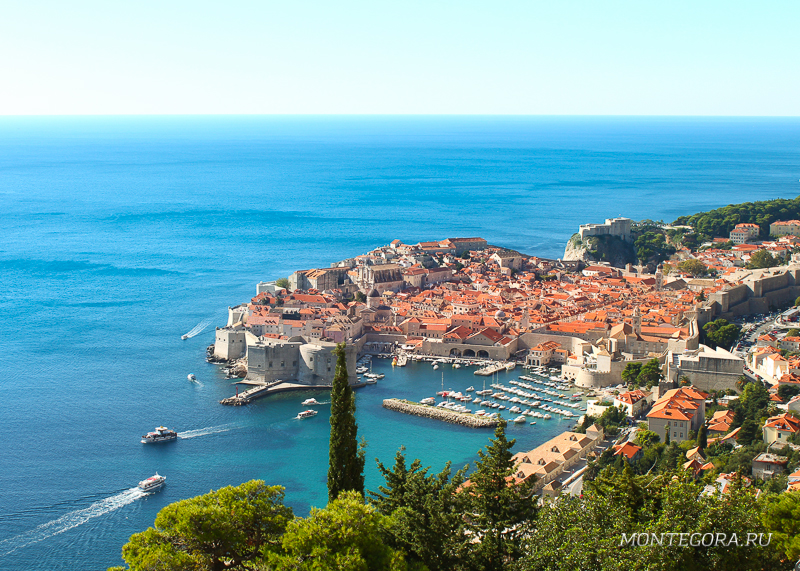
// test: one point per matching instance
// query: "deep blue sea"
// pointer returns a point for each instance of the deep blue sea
(118, 235)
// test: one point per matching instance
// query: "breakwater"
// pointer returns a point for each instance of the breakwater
(464, 419)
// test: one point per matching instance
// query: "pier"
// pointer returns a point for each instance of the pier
(262, 390)
(490, 370)
(464, 419)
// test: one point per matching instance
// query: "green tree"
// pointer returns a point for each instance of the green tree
(650, 374)
(720, 333)
(426, 513)
(345, 536)
(345, 455)
(499, 508)
(360, 297)
(225, 529)
(465, 255)
(748, 432)
(786, 392)
(282, 282)
(630, 374)
(647, 438)
(782, 518)
(652, 245)
(761, 259)
(693, 267)
(702, 438)
(793, 332)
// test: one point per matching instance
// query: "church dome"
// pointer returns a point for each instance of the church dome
(500, 314)
(373, 293)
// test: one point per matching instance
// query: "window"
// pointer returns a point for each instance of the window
(270, 364)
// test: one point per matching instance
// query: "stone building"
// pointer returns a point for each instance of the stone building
(707, 369)
(297, 360)
(619, 227)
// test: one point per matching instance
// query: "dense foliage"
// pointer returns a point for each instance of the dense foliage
(720, 333)
(762, 259)
(652, 247)
(647, 375)
(226, 529)
(721, 221)
(345, 455)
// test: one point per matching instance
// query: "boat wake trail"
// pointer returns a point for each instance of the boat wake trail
(197, 329)
(206, 431)
(70, 520)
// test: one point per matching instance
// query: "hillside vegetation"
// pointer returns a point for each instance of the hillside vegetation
(720, 221)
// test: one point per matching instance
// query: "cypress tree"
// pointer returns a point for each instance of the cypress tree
(499, 508)
(345, 455)
(702, 438)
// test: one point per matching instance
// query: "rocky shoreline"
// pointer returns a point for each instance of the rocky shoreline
(408, 407)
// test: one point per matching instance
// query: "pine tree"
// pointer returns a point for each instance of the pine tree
(345, 455)
(500, 508)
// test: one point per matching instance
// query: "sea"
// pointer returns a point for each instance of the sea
(120, 234)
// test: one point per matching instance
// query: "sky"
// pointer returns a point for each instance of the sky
(593, 57)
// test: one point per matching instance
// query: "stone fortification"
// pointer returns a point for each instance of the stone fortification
(461, 418)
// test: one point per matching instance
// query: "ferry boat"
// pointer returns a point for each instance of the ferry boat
(152, 483)
(160, 434)
(307, 414)
(309, 402)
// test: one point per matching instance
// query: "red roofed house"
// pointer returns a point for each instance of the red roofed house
(677, 412)
(780, 428)
(629, 450)
(633, 401)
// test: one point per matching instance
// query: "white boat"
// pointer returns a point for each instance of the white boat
(510, 366)
(379, 376)
(371, 381)
(307, 414)
(184, 337)
(519, 420)
(429, 400)
(152, 483)
(456, 366)
(435, 367)
(470, 389)
(309, 402)
(191, 377)
(160, 434)
(547, 417)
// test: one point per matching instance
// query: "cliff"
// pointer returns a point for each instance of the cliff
(600, 249)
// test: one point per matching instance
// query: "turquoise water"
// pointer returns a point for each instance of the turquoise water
(118, 235)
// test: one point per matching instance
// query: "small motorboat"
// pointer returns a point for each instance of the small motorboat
(371, 381)
(309, 402)
(160, 434)
(184, 337)
(470, 389)
(191, 377)
(152, 483)
(307, 414)
(435, 366)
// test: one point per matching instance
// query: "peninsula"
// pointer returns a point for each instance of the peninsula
(463, 298)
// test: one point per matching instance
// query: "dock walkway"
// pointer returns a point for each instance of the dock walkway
(265, 389)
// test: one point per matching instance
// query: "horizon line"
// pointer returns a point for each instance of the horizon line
(399, 115)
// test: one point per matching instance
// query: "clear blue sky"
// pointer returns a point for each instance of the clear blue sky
(496, 57)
